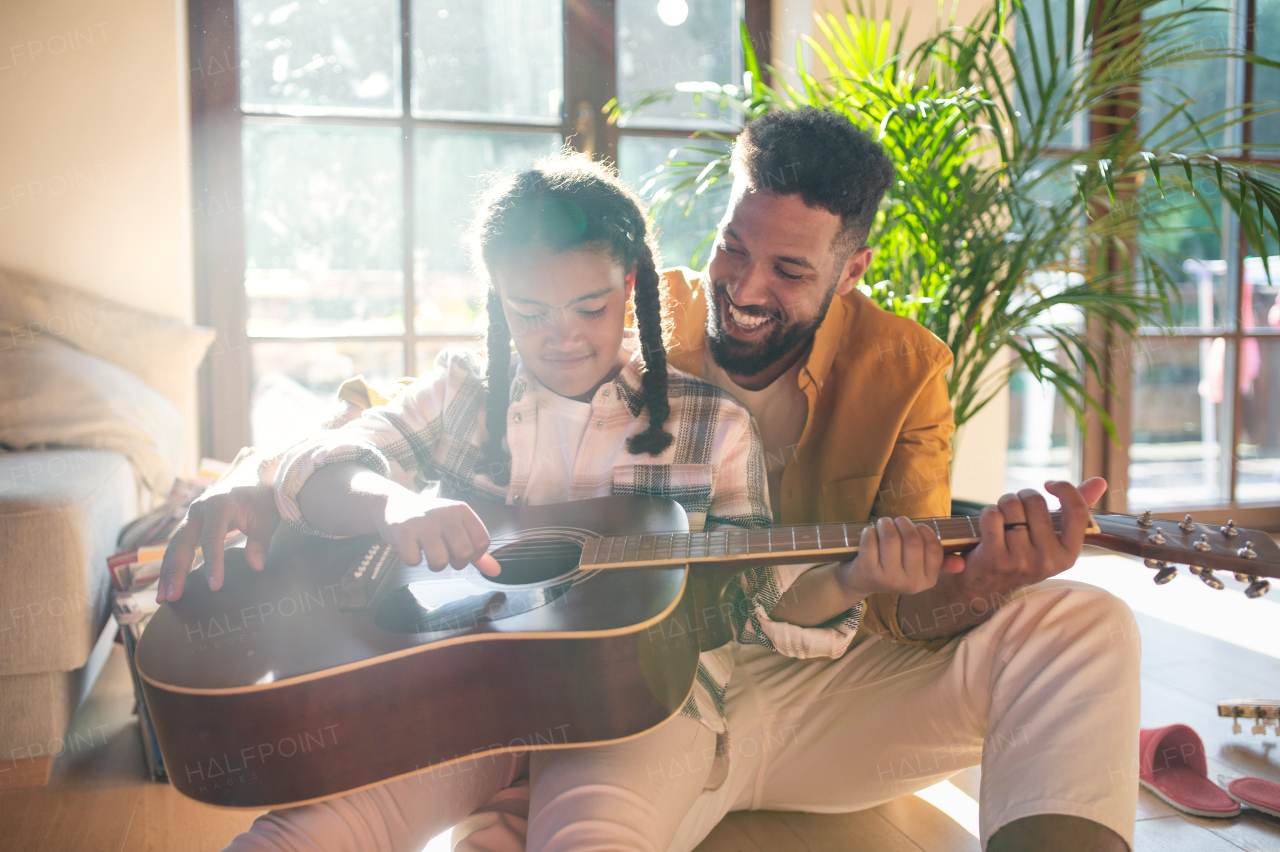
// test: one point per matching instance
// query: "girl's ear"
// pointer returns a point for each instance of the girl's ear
(630, 285)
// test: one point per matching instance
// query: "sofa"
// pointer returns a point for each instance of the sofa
(91, 435)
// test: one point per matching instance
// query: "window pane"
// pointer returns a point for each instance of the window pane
(294, 383)
(1181, 402)
(639, 161)
(488, 58)
(324, 230)
(450, 172)
(1194, 262)
(1261, 297)
(1199, 87)
(1258, 465)
(320, 57)
(1266, 81)
(1042, 432)
(1032, 48)
(667, 42)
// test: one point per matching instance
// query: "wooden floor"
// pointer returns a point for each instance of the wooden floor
(97, 800)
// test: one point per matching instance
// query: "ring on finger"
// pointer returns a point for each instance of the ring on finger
(1018, 525)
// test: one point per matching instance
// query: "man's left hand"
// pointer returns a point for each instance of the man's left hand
(1019, 544)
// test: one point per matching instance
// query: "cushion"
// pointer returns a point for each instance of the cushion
(60, 513)
(52, 395)
(161, 351)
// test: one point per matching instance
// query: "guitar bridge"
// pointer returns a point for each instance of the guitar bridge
(361, 580)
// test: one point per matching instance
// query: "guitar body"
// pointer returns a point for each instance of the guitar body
(269, 692)
(338, 667)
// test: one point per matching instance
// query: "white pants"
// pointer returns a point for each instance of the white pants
(1044, 695)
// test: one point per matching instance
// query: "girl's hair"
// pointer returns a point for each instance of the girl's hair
(567, 202)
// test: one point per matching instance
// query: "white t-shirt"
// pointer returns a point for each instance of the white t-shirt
(562, 423)
(780, 411)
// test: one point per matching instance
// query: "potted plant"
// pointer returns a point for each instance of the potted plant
(993, 238)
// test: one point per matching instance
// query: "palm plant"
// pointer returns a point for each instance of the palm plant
(992, 238)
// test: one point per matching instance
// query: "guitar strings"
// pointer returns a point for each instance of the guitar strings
(714, 542)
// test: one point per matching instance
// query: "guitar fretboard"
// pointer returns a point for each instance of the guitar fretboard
(787, 544)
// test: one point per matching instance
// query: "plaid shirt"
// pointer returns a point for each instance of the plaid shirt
(434, 431)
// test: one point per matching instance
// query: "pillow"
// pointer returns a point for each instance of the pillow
(161, 351)
(53, 395)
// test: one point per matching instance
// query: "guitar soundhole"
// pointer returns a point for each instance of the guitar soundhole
(536, 561)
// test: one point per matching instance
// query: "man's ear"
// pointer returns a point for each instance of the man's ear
(854, 268)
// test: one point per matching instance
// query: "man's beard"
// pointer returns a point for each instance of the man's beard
(741, 358)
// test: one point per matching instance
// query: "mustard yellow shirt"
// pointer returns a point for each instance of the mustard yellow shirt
(877, 440)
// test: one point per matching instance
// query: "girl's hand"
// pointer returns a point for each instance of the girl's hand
(896, 555)
(449, 533)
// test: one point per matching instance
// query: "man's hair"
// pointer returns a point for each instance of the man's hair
(826, 159)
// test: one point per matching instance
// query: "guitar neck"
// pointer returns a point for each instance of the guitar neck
(785, 545)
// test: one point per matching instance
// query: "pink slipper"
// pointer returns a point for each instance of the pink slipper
(1172, 765)
(1258, 794)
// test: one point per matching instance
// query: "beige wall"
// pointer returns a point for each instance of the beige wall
(793, 18)
(95, 153)
(95, 174)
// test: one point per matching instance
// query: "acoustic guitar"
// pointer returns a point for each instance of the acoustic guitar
(339, 667)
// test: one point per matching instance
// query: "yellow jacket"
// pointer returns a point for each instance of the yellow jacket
(878, 437)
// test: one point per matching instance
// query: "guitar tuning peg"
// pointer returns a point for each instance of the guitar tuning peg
(1244, 578)
(1202, 544)
(1235, 726)
(1257, 589)
(1230, 530)
(1206, 574)
(1260, 727)
(1247, 552)
(1187, 526)
(1164, 571)
(1144, 520)
(1157, 537)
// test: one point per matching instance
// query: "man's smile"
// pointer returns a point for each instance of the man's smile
(740, 324)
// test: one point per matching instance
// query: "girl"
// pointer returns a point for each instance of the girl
(585, 409)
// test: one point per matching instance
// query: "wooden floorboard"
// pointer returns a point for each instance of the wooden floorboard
(98, 798)
(98, 801)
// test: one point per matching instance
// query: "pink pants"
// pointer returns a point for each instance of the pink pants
(1044, 695)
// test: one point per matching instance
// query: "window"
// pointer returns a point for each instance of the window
(339, 144)
(1202, 399)
(1197, 405)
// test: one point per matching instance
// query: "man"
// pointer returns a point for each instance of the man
(1037, 681)
(853, 412)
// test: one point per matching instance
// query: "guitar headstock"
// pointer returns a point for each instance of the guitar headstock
(1249, 554)
(1260, 711)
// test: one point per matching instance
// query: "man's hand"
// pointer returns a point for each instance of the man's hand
(1019, 547)
(896, 555)
(251, 509)
(1019, 544)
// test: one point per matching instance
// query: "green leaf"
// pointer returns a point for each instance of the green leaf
(1153, 163)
